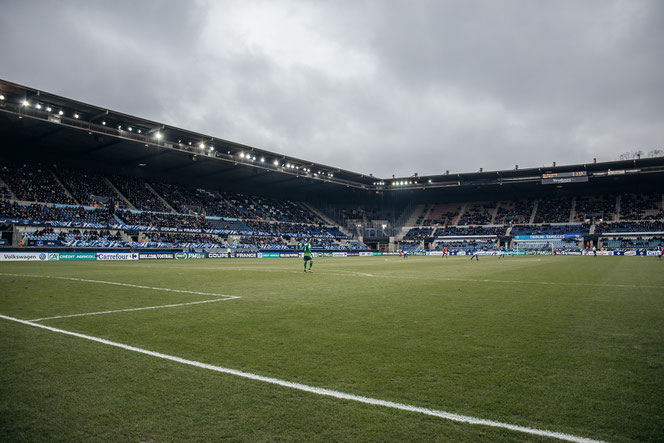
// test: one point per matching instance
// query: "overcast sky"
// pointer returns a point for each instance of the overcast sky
(382, 87)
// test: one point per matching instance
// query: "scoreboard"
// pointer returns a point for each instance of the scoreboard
(556, 178)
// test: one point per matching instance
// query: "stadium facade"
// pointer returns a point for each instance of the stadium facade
(608, 205)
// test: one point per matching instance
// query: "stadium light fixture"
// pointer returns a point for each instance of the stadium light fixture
(38, 106)
(262, 159)
(103, 123)
(253, 158)
(119, 126)
(77, 116)
(157, 135)
(130, 129)
(2, 97)
(241, 154)
(26, 103)
(49, 109)
(139, 131)
(60, 112)
(201, 145)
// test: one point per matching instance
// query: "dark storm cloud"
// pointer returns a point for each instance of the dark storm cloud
(388, 87)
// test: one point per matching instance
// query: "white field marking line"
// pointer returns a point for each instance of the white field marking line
(319, 391)
(131, 309)
(183, 291)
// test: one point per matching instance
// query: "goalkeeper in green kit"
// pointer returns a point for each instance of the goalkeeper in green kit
(306, 248)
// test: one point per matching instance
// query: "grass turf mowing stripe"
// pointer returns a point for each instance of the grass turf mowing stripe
(319, 391)
(85, 280)
(132, 309)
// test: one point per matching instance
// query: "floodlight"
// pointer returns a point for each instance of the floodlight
(129, 128)
(77, 116)
(139, 131)
(26, 103)
(2, 97)
(201, 145)
(241, 154)
(49, 109)
(276, 163)
(38, 106)
(253, 158)
(119, 126)
(262, 159)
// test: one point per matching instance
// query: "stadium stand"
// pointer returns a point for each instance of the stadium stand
(217, 218)
(137, 192)
(34, 183)
(595, 207)
(511, 212)
(555, 210)
(641, 206)
(87, 187)
(478, 214)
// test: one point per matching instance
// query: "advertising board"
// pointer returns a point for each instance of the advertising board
(246, 255)
(211, 255)
(117, 256)
(155, 255)
(27, 256)
(189, 255)
(66, 256)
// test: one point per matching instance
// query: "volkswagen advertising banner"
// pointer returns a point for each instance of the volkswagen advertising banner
(28, 256)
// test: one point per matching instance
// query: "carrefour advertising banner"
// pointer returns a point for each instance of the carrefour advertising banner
(117, 256)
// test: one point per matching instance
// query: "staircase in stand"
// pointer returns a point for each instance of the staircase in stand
(117, 191)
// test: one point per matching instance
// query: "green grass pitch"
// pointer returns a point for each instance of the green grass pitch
(565, 344)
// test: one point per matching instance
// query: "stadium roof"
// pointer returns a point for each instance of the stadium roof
(48, 127)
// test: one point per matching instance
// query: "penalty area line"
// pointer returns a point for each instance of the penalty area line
(316, 390)
(85, 314)
(129, 285)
